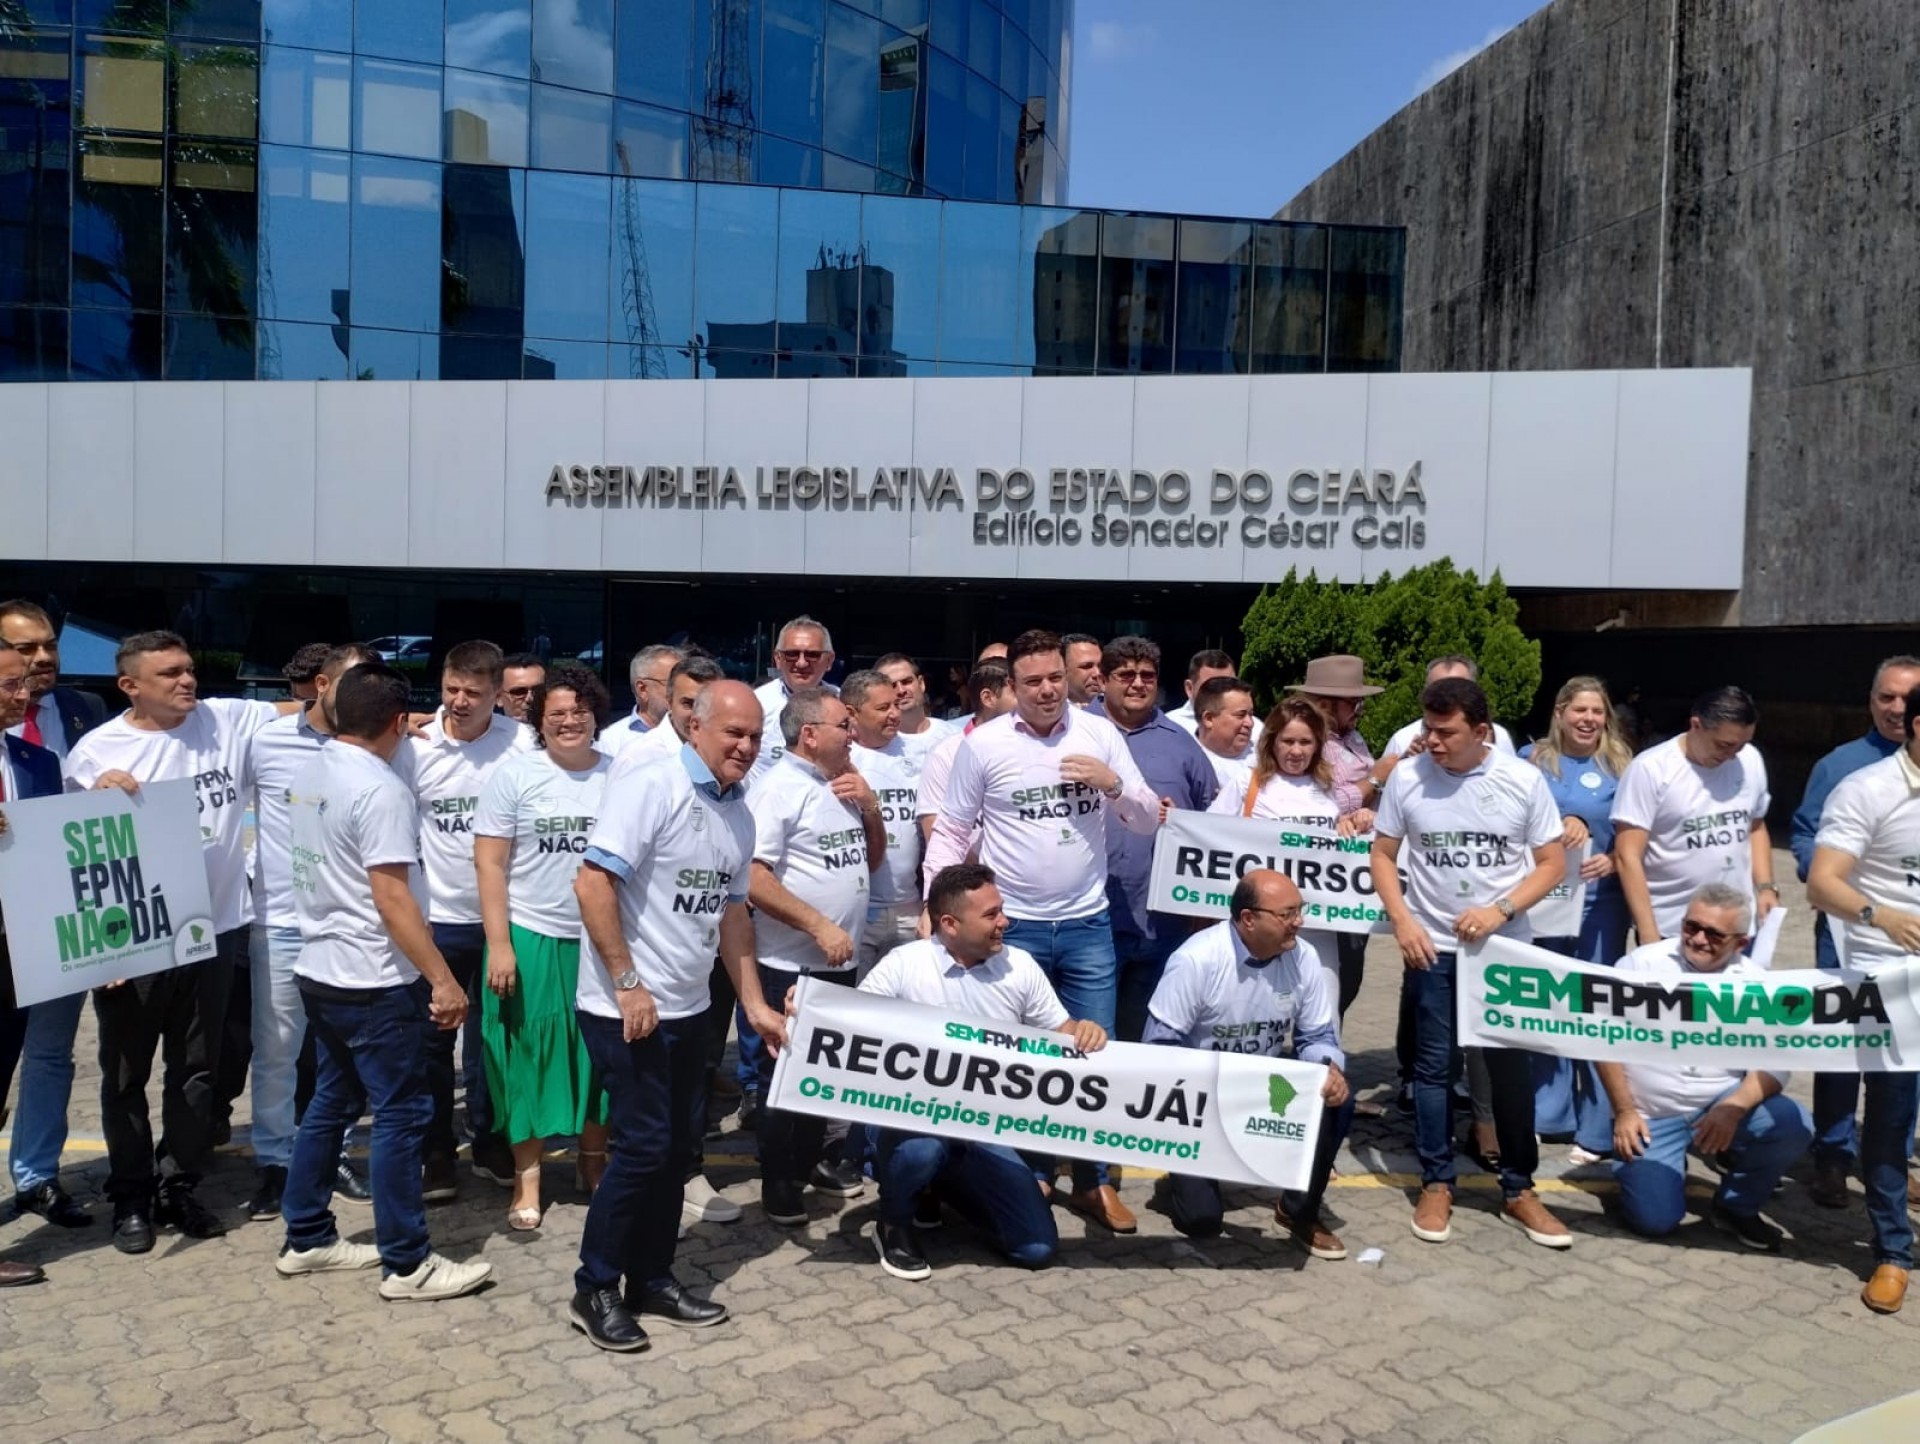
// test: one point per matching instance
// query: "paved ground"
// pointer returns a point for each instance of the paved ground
(1487, 1338)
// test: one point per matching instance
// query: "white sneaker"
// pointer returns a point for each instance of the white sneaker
(702, 1203)
(328, 1258)
(436, 1278)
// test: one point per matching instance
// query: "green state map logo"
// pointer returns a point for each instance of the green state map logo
(1274, 1122)
(1280, 1093)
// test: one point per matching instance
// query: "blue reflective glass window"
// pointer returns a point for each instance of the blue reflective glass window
(567, 260)
(1009, 148)
(1365, 273)
(396, 244)
(902, 120)
(980, 282)
(494, 36)
(216, 91)
(984, 162)
(853, 83)
(394, 355)
(33, 343)
(837, 173)
(900, 302)
(1215, 297)
(571, 130)
(649, 363)
(314, 24)
(115, 345)
(1289, 298)
(123, 85)
(948, 28)
(1060, 250)
(486, 119)
(399, 29)
(306, 98)
(35, 204)
(726, 87)
(783, 163)
(117, 17)
(983, 41)
(820, 273)
(795, 57)
(573, 43)
(901, 14)
(1136, 293)
(212, 226)
(118, 230)
(648, 141)
(396, 108)
(481, 358)
(1014, 52)
(565, 361)
(483, 248)
(216, 20)
(654, 50)
(303, 233)
(651, 291)
(208, 348)
(295, 351)
(733, 303)
(946, 143)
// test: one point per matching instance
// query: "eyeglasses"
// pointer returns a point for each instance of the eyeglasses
(1128, 678)
(14, 685)
(845, 724)
(800, 654)
(520, 691)
(1715, 938)
(571, 714)
(1286, 915)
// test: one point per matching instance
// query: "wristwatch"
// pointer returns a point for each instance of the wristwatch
(1505, 904)
(1865, 915)
(1767, 887)
(626, 982)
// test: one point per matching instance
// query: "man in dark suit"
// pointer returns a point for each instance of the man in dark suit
(55, 717)
(25, 771)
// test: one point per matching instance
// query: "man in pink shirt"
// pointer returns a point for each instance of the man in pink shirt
(1038, 782)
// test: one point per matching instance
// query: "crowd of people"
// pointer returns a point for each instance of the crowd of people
(560, 918)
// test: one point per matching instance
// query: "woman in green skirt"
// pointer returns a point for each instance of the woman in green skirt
(528, 838)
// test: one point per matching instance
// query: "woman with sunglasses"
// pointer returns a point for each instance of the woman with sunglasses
(1582, 757)
(529, 834)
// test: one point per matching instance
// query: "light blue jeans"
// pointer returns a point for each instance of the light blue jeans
(279, 1028)
(1653, 1187)
(46, 1087)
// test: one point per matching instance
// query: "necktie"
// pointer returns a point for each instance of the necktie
(31, 732)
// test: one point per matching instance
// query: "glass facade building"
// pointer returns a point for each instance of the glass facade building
(487, 189)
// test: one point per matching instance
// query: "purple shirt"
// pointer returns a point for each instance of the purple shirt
(1174, 767)
(1348, 756)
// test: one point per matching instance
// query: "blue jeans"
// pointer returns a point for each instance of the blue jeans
(991, 1185)
(464, 946)
(1139, 963)
(1886, 1135)
(751, 1049)
(370, 1052)
(656, 1107)
(46, 1087)
(1836, 1096)
(1077, 958)
(1430, 993)
(1567, 1096)
(279, 1028)
(1653, 1186)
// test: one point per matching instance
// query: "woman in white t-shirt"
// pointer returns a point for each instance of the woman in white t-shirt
(1293, 782)
(529, 836)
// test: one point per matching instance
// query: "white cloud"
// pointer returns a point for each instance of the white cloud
(1116, 39)
(1447, 64)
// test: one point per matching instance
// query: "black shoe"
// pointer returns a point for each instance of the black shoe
(439, 1180)
(223, 1133)
(679, 1307)
(178, 1206)
(492, 1159)
(750, 1109)
(132, 1228)
(926, 1211)
(1754, 1231)
(348, 1184)
(842, 1180)
(52, 1203)
(1403, 1101)
(900, 1252)
(782, 1202)
(14, 1274)
(266, 1198)
(1829, 1187)
(602, 1315)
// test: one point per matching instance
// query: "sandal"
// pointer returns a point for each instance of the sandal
(585, 1183)
(525, 1220)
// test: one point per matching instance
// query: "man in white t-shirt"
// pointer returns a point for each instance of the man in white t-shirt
(990, 689)
(691, 673)
(1691, 811)
(1865, 875)
(1479, 836)
(1210, 664)
(1243, 986)
(650, 674)
(662, 889)
(374, 988)
(1223, 726)
(167, 733)
(802, 657)
(880, 755)
(919, 733)
(968, 968)
(449, 764)
(817, 839)
(1039, 784)
(1661, 1111)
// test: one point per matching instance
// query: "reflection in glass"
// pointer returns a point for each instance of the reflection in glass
(565, 361)
(734, 281)
(654, 52)
(900, 304)
(486, 119)
(394, 356)
(1365, 272)
(946, 143)
(118, 257)
(726, 39)
(123, 86)
(1061, 250)
(648, 141)
(1215, 297)
(837, 173)
(651, 295)
(33, 343)
(980, 282)
(571, 131)
(35, 205)
(202, 348)
(1289, 298)
(1136, 293)
(399, 108)
(567, 260)
(983, 140)
(903, 114)
(1014, 53)
(396, 243)
(573, 43)
(949, 29)
(489, 35)
(213, 218)
(291, 351)
(115, 345)
(983, 41)
(481, 358)
(821, 268)
(216, 91)
(655, 363)
(853, 84)
(483, 254)
(303, 233)
(782, 163)
(399, 29)
(314, 24)
(306, 99)
(795, 56)
(217, 19)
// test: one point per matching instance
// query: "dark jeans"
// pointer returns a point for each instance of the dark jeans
(464, 946)
(1195, 1203)
(1352, 948)
(653, 1108)
(236, 1042)
(790, 1143)
(991, 1185)
(720, 1004)
(1886, 1137)
(1138, 964)
(1436, 1064)
(1836, 1096)
(13, 1027)
(368, 1052)
(181, 1013)
(1076, 955)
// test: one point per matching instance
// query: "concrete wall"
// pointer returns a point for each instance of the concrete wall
(1624, 183)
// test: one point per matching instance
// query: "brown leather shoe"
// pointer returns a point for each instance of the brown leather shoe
(1829, 1186)
(1540, 1226)
(13, 1274)
(1310, 1234)
(1103, 1206)
(1433, 1213)
(1886, 1290)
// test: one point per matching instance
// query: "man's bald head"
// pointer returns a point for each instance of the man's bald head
(725, 729)
(1266, 912)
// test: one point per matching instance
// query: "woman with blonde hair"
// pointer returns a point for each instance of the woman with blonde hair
(1583, 755)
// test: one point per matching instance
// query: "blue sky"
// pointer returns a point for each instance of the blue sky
(1229, 107)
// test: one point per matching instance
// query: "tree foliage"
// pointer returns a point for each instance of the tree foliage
(1396, 625)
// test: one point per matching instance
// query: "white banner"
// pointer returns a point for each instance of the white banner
(1199, 856)
(1230, 1116)
(100, 886)
(1559, 913)
(1516, 996)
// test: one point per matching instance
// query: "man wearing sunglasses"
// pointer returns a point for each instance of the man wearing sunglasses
(802, 657)
(519, 675)
(1659, 1112)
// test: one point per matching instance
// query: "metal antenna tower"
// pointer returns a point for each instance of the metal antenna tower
(723, 133)
(645, 360)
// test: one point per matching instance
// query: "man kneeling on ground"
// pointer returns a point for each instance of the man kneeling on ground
(966, 968)
(1659, 1112)
(1242, 986)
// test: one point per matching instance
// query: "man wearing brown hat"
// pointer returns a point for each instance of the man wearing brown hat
(1338, 686)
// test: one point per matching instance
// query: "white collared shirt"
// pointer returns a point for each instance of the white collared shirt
(448, 776)
(1007, 987)
(616, 737)
(1184, 716)
(773, 701)
(53, 732)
